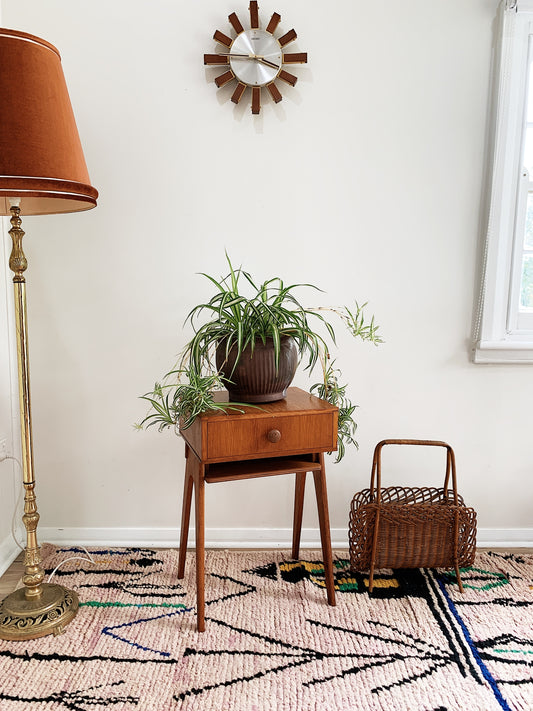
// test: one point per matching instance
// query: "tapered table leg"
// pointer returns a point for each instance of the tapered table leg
(325, 536)
(299, 491)
(185, 513)
(199, 501)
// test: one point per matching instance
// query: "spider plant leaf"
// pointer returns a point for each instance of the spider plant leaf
(250, 280)
(277, 345)
(234, 274)
(214, 281)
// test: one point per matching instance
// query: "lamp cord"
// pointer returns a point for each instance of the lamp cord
(89, 558)
(13, 518)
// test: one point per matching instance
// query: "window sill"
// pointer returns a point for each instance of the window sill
(503, 352)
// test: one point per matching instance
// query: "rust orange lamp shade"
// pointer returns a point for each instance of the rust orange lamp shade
(42, 171)
(41, 158)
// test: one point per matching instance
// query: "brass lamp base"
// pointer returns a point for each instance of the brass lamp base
(50, 613)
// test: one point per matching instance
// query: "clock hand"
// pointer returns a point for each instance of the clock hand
(232, 54)
(266, 61)
(249, 56)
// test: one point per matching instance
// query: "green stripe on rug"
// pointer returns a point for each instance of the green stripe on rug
(271, 640)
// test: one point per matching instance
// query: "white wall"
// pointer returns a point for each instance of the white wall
(366, 180)
(10, 479)
(10, 475)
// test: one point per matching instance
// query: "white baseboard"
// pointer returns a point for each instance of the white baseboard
(169, 537)
(228, 538)
(8, 552)
(505, 537)
(245, 537)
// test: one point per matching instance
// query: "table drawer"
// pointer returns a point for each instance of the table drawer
(271, 436)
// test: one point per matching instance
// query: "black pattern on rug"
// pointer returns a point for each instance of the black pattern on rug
(272, 642)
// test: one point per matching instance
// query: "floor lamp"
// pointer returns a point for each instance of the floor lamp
(42, 172)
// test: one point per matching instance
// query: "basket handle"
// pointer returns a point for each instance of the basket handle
(375, 480)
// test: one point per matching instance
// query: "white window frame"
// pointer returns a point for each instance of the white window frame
(500, 336)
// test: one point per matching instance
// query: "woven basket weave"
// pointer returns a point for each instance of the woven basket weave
(411, 527)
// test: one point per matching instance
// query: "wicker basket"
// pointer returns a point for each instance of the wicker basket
(410, 527)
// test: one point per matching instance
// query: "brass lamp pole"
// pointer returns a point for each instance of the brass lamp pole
(38, 608)
(42, 171)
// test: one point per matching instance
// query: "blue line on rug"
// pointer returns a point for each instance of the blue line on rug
(448, 624)
(484, 670)
(97, 603)
(108, 630)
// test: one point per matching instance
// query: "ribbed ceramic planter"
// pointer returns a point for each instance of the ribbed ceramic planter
(255, 378)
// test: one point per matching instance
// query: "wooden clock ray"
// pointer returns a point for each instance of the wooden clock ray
(255, 58)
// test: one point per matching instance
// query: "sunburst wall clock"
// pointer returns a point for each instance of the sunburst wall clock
(255, 57)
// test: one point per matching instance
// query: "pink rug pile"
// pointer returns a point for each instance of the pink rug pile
(273, 644)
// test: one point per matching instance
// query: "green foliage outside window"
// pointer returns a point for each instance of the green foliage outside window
(526, 288)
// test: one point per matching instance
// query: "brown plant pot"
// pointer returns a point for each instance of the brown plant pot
(255, 378)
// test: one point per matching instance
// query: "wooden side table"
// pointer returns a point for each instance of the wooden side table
(284, 437)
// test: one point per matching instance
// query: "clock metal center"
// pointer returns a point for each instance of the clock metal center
(262, 58)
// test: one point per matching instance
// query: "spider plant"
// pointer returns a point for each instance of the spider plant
(234, 319)
(182, 402)
(330, 389)
(271, 310)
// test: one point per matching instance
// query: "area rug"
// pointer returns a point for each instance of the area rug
(273, 643)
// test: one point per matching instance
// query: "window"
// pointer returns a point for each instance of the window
(521, 316)
(504, 328)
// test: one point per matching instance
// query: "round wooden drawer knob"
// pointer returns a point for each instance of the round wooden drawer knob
(274, 436)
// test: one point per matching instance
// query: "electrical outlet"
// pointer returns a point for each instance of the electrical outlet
(3, 449)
